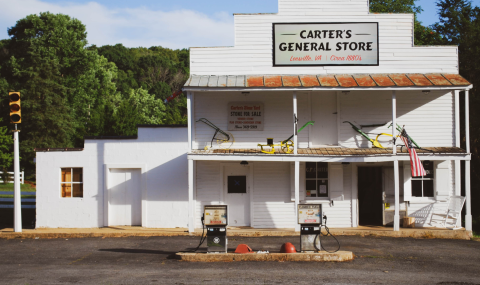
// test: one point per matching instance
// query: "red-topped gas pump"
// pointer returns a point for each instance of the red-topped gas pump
(215, 219)
(310, 220)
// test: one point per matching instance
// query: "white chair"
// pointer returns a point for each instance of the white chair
(449, 217)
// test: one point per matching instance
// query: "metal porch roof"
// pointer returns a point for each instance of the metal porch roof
(328, 80)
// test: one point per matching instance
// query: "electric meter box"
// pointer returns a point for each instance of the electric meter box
(310, 214)
(215, 215)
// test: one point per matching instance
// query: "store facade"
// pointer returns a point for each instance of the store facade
(330, 66)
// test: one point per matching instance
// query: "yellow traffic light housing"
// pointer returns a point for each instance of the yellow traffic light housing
(15, 109)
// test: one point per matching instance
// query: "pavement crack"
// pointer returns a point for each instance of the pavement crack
(80, 259)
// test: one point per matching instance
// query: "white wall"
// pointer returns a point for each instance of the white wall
(162, 150)
(252, 53)
(428, 118)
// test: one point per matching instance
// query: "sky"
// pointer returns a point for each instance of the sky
(168, 23)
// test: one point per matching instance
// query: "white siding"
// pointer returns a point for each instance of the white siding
(428, 118)
(321, 7)
(272, 205)
(278, 120)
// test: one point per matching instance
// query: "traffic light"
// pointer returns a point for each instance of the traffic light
(15, 109)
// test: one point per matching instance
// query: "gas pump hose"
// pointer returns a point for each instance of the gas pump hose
(319, 236)
(203, 237)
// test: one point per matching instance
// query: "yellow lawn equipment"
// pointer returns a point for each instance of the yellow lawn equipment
(286, 146)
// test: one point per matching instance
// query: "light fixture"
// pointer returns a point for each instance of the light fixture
(345, 163)
(345, 92)
(426, 91)
(245, 93)
(244, 163)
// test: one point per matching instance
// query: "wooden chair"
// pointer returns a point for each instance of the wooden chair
(449, 217)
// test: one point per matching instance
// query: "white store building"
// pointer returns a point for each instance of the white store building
(325, 61)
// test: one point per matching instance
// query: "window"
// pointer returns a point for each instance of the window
(423, 186)
(237, 184)
(71, 184)
(316, 184)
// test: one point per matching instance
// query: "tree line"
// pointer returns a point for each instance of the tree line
(71, 90)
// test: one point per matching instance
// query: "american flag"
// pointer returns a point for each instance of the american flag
(416, 164)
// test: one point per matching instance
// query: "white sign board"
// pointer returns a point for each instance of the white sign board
(324, 44)
(215, 215)
(245, 116)
(309, 213)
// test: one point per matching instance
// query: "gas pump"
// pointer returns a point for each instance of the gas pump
(215, 219)
(310, 220)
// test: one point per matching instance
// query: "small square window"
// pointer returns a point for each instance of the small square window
(71, 185)
(237, 184)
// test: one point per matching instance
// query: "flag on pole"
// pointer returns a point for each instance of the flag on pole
(416, 164)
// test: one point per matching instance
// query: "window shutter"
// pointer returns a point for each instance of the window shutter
(335, 180)
(407, 182)
(442, 180)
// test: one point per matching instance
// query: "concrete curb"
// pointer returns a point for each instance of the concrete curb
(339, 256)
(70, 233)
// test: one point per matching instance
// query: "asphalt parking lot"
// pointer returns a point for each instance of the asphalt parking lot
(139, 260)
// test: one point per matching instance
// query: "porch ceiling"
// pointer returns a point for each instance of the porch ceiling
(328, 81)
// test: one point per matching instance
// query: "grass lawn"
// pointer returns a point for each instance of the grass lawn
(23, 187)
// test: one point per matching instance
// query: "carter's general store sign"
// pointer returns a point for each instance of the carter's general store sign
(323, 44)
(245, 116)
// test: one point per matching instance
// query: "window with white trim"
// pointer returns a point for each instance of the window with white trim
(424, 186)
(71, 185)
(316, 184)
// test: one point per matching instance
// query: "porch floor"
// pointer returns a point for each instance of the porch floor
(125, 231)
(334, 151)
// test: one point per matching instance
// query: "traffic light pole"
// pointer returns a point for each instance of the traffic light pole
(17, 198)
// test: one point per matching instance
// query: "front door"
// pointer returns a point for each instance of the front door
(124, 198)
(370, 192)
(237, 194)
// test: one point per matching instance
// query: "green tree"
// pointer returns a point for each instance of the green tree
(61, 81)
(422, 35)
(6, 154)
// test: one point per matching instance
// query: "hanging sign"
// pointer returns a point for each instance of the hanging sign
(245, 116)
(325, 44)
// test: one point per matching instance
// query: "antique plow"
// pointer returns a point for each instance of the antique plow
(223, 139)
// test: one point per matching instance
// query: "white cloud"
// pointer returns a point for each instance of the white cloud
(131, 27)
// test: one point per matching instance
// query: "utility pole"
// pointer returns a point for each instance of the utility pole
(17, 195)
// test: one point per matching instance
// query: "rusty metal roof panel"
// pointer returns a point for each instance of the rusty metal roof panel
(383, 80)
(346, 80)
(438, 79)
(291, 81)
(327, 80)
(456, 79)
(309, 81)
(400, 79)
(364, 80)
(240, 81)
(273, 81)
(255, 81)
(213, 81)
(195, 80)
(204, 79)
(231, 80)
(419, 80)
(222, 81)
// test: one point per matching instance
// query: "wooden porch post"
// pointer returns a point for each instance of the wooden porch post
(297, 193)
(396, 217)
(191, 120)
(295, 140)
(191, 202)
(468, 202)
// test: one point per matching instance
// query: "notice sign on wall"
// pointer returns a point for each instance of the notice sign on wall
(245, 116)
(324, 44)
